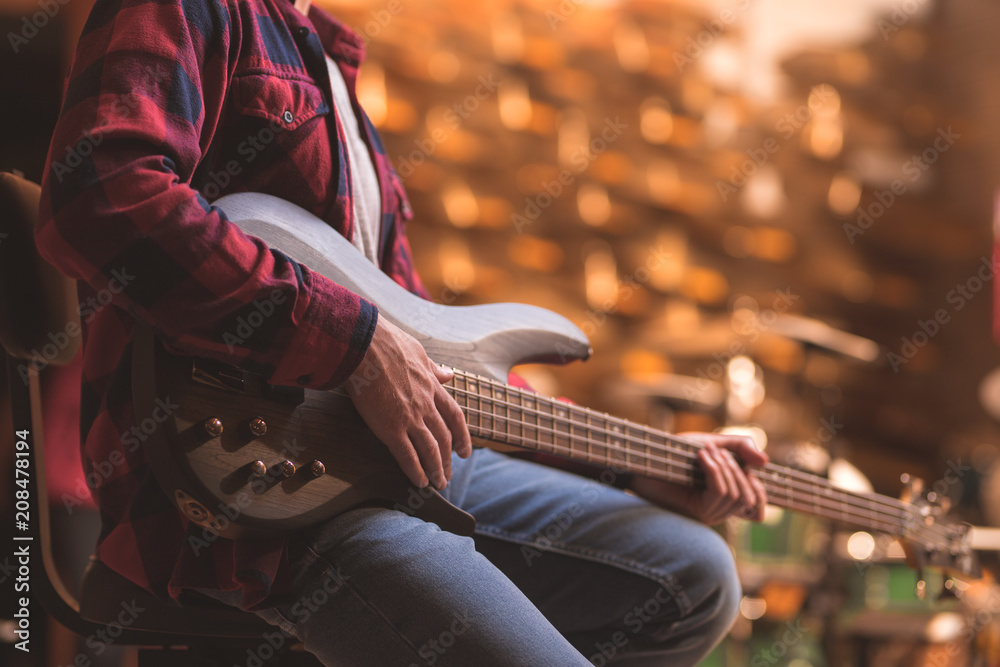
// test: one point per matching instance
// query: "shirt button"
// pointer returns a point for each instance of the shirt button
(302, 32)
(305, 379)
(287, 116)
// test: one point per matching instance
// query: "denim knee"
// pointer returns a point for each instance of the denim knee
(714, 608)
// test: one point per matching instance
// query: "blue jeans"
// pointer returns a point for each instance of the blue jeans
(562, 570)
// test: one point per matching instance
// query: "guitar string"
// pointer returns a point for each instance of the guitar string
(806, 484)
(671, 468)
(646, 430)
(608, 446)
(864, 517)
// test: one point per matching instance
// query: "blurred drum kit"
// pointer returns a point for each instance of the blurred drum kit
(817, 594)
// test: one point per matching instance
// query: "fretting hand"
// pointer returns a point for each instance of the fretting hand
(730, 488)
(398, 391)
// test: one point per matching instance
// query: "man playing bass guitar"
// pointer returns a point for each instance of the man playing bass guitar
(173, 103)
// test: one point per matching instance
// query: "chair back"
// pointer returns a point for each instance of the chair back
(40, 325)
(39, 312)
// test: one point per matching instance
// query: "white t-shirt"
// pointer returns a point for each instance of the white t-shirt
(366, 197)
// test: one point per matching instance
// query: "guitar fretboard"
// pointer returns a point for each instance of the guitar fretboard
(501, 413)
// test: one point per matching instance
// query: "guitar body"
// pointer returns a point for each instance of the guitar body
(314, 457)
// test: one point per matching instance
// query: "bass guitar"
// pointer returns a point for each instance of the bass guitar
(247, 459)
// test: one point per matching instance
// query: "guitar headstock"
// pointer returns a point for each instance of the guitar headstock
(931, 539)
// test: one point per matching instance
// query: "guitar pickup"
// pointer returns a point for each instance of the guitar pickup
(218, 375)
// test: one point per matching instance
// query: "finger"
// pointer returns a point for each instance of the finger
(430, 457)
(443, 374)
(715, 481)
(732, 490)
(761, 498)
(745, 449)
(409, 462)
(435, 424)
(748, 496)
(454, 419)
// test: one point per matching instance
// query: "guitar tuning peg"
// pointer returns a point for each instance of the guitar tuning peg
(921, 590)
(913, 487)
(948, 590)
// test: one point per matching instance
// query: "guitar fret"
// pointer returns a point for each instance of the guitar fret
(560, 418)
(462, 393)
(493, 411)
(499, 392)
(634, 432)
(613, 442)
(485, 427)
(574, 422)
(530, 403)
(519, 421)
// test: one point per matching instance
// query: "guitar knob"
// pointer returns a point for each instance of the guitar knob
(286, 468)
(317, 468)
(258, 427)
(258, 469)
(213, 426)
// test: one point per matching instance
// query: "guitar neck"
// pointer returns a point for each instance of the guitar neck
(512, 416)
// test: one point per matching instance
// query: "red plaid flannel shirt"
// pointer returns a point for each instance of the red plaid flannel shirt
(169, 105)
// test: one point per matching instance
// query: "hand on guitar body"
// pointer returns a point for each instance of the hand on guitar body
(398, 392)
(730, 489)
